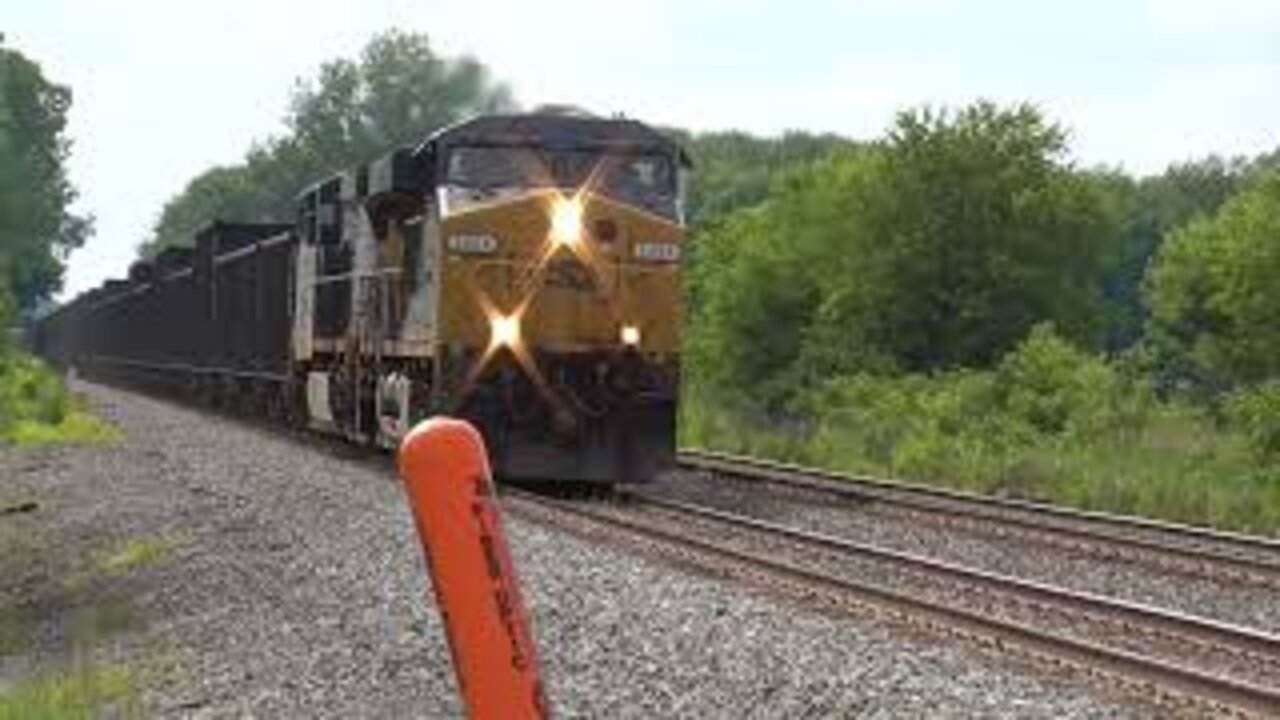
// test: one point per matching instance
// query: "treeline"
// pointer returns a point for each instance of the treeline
(396, 93)
(351, 112)
(958, 301)
(941, 244)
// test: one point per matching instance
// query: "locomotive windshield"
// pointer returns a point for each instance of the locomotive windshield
(646, 180)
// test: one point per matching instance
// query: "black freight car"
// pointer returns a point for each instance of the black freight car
(195, 321)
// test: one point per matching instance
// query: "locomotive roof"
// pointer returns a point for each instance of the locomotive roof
(552, 128)
(556, 130)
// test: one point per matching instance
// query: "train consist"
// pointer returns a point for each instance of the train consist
(520, 271)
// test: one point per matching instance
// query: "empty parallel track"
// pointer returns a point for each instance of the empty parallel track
(1187, 656)
(1196, 550)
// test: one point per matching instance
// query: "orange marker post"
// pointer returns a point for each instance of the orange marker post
(446, 473)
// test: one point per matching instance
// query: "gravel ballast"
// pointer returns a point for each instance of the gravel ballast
(294, 588)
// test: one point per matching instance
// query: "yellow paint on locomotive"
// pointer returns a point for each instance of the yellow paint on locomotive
(499, 257)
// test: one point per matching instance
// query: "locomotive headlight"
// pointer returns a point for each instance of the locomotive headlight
(566, 221)
(504, 330)
(630, 335)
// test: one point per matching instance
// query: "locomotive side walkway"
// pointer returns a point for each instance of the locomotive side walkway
(233, 571)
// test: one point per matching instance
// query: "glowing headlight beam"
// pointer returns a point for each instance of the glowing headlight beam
(504, 330)
(630, 335)
(566, 221)
(567, 231)
(505, 333)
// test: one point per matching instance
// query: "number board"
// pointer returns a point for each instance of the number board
(657, 251)
(473, 244)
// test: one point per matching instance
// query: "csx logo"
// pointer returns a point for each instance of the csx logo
(569, 274)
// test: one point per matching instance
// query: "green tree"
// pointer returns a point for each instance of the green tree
(37, 227)
(1152, 208)
(226, 192)
(396, 93)
(939, 247)
(734, 169)
(755, 299)
(1213, 290)
(8, 316)
(974, 229)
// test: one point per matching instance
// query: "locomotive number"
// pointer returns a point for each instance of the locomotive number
(473, 244)
(661, 252)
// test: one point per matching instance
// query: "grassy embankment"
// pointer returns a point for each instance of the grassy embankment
(37, 409)
(1049, 423)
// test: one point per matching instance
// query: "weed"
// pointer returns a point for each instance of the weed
(76, 427)
(81, 692)
(135, 553)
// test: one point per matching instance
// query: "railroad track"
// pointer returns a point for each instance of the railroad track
(1187, 549)
(1224, 666)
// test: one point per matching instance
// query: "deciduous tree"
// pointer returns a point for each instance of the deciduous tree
(1214, 290)
(939, 247)
(37, 225)
(398, 91)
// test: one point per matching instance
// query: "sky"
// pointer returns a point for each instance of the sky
(164, 89)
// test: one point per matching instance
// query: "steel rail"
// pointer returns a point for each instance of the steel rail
(1242, 638)
(997, 510)
(1207, 687)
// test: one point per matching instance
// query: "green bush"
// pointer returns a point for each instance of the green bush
(36, 409)
(1256, 412)
(973, 425)
(1058, 389)
(30, 392)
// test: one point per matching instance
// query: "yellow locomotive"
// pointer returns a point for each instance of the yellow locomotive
(521, 271)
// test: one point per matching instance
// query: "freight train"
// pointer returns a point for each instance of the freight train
(521, 271)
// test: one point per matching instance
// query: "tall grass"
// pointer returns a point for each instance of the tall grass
(1049, 423)
(37, 409)
(86, 692)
